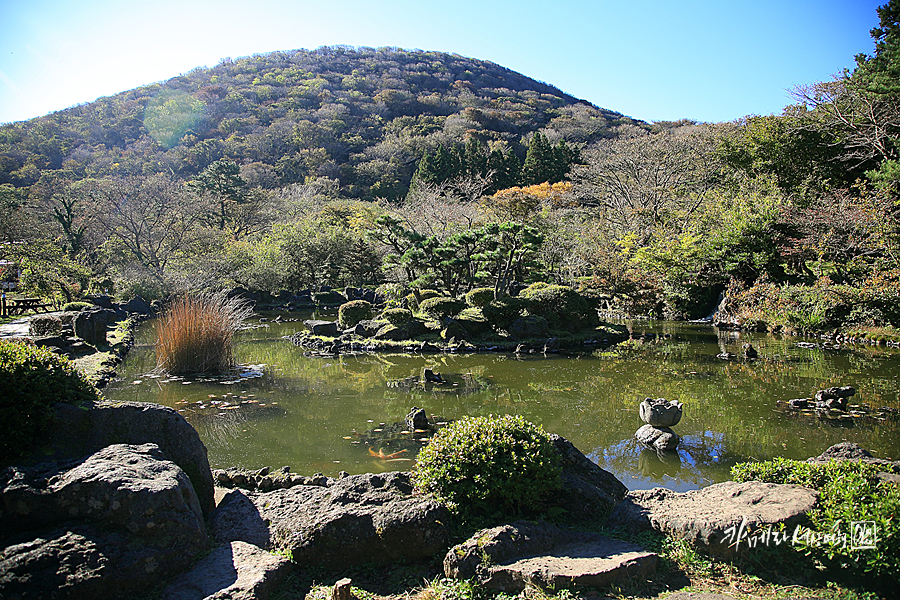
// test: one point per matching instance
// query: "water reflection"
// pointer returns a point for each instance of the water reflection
(306, 412)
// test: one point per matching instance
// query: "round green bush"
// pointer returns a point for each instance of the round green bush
(351, 313)
(440, 307)
(479, 297)
(501, 313)
(479, 465)
(562, 306)
(397, 316)
(32, 380)
(76, 306)
(414, 303)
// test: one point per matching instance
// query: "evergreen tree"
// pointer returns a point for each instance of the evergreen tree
(538, 161)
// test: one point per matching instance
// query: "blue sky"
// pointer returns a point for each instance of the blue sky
(653, 60)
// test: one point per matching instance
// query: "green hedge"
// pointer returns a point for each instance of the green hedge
(563, 307)
(440, 307)
(32, 380)
(479, 297)
(397, 316)
(849, 492)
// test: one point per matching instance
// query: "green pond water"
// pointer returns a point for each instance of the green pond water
(313, 413)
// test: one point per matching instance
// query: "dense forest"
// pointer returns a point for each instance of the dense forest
(407, 169)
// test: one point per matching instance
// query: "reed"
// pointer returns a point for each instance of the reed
(195, 334)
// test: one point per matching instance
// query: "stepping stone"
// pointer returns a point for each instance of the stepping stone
(237, 571)
(525, 554)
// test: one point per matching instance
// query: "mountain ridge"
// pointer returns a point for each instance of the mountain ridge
(361, 116)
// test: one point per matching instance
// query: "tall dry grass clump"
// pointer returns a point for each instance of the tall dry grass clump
(195, 334)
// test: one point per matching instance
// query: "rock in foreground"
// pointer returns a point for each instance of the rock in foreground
(80, 431)
(713, 518)
(588, 492)
(236, 571)
(107, 526)
(522, 554)
(371, 518)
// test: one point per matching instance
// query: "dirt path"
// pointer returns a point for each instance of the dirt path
(17, 328)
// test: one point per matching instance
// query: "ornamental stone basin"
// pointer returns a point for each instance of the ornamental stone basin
(660, 412)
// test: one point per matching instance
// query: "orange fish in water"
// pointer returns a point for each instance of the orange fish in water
(380, 454)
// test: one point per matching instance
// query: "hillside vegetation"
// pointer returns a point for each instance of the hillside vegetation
(419, 170)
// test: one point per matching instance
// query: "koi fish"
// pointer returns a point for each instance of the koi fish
(380, 454)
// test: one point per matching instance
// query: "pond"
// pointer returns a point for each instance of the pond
(313, 413)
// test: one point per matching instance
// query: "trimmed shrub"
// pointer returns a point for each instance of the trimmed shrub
(41, 325)
(502, 312)
(440, 307)
(195, 334)
(397, 316)
(563, 307)
(69, 306)
(413, 303)
(32, 380)
(849, 492)
(479, 465)
(479, 297)
(351, 313)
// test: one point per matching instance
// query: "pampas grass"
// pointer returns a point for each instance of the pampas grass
(195, 334)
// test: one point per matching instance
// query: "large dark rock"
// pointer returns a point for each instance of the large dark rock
(236, 571)
(323, 328)
(79, 431)
(90, 325)
(373, 518)
(367, 328)
(834, 398)
(454, 329)
(718, 519)
(661, 439)
(588, 492)
(107, 526)
(525, 554)
(137, 305)
(399, 333)
(101, 300)
(529, 327)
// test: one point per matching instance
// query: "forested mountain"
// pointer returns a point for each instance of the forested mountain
(363, 117)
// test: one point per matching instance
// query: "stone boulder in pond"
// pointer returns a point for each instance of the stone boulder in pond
(110, 525)
(322, 328)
